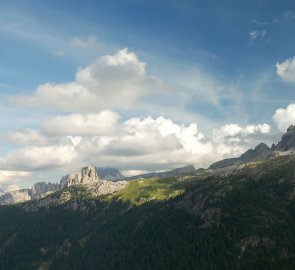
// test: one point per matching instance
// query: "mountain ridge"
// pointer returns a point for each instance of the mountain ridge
(261, 151)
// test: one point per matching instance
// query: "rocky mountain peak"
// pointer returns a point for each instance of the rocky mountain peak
(43, 187)
(291, 129)
(261, 151)
(107, 173)
(287, 143)
(88, 175)
(261, 147)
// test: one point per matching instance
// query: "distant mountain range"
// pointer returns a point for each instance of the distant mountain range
(261, 152)
(237, 214)
(102, 179)
(175, 172)
(106, 175)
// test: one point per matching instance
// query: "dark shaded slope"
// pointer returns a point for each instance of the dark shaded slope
(242, 221)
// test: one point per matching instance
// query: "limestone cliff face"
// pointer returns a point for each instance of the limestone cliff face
(41, 188)
(287, 143)
(37, 191)
(16, 196)
(87, 176)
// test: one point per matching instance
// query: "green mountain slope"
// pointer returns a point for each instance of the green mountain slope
(241, 219)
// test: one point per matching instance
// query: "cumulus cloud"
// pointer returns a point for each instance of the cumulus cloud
(112, 81)
(232, 140)
(148, 143)
(26, 137)
(6, 176)
(36, 158)
(138, 144)
(285, 117)
(286, 70)
(82, 124)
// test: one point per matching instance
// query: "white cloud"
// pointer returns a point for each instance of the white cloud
(138, 144)
(79, 124)
(187, 137)
(151, 144)
(43, 157)
(6, 176)
(112, 81)
(232, 140)
(90, 43)
(26, 137)
(286, 70)
(285, 117)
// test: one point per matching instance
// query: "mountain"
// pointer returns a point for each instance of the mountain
(16, 196)
(87, 178)
(97, 180)
(261, 152)
(184, 170)
(42, 188)
(245, 220)
(88, 175)
(38, 190)
(239, 218)
(107, 173)
(287, 142)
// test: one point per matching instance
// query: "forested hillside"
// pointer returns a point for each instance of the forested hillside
(242, 220)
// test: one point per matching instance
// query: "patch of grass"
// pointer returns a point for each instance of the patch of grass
(143, 190)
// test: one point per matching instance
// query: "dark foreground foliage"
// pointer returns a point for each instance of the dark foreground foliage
(254, 229)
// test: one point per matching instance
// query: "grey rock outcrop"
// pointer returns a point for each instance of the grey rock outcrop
(184, 170)
(287, 143)
(41, 188)
(16, 196)
(88, 175)
(70, 180)
(105, 187)
(107, 173)
(37, 191)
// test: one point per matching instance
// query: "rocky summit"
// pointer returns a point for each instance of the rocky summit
(287, 142)
(261, 152)
(88, 175)
(107, 173)
(237, 217)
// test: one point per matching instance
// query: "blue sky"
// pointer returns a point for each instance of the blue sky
(209, 78)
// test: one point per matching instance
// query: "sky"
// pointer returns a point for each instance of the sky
(140, 85)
